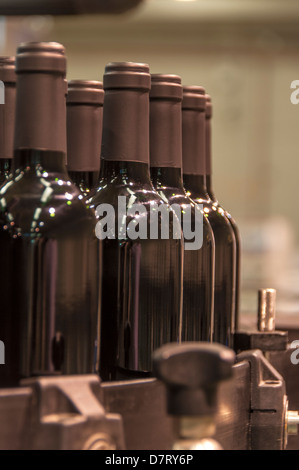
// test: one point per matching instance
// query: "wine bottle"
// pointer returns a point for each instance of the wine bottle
(194, 177)
(142, 284)
(49, 284)
(215, 201)
(84, 133)
(7, 114)
(166, 172)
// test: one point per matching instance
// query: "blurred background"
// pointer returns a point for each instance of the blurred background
(246, 54)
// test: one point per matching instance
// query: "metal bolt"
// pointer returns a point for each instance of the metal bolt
(292, 422)
(100, 441)
(266, 309)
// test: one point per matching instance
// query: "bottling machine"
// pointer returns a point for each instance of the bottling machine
(202, 396)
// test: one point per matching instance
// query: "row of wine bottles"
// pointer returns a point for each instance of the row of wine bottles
(73, 302)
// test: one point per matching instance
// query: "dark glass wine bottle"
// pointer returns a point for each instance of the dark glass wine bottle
(142, 284)
(49, 283)
(84, 133)
(215, 201)
(194, 170)
(166, 172)
(7, 114)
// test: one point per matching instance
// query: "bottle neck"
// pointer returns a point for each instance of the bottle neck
(208, 139)
(7, 121)
(163, 177)
(126, 126)
(41, 112)
(40, 161)
(209, 160)
(90, 178)
(210, 188)
(84, 136)
(193, 125)
(196, 186)
(165, 133)
(125, 173)
(5, 168)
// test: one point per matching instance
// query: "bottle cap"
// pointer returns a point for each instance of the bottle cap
(7, 70)
(208, 107)
(194, 98)
(127, 75)
(85, 92)
(41, 57)
(166, 87)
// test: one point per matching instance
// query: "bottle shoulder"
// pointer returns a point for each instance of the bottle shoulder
(178, 197)
(232, 222)
(217, 218)
(129, 204)
(109, 192)
(230, 219)
(175, 196)
(43, 204)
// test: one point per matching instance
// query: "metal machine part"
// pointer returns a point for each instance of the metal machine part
(268, 404)
(58, 413)
(270, 420)
(265, 341)
(49, 414)
(211, 403)
(191, 373)
(285, 365)
(292, 419)
(266, 338)
(266, 309)
(147, 425)
(80, 412)
(65, 7)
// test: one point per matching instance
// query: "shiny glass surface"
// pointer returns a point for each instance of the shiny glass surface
(198, 280)
(238, 248)
(142, 279)
(49, 279)
(86, 181)
(5, 169)
(225, 253)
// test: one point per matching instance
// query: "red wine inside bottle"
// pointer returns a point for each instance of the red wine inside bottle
(194, 177)
(49, 284)
(7, 114)
(215, 201)
(166, 172)
(84, 133)
(142, 282)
